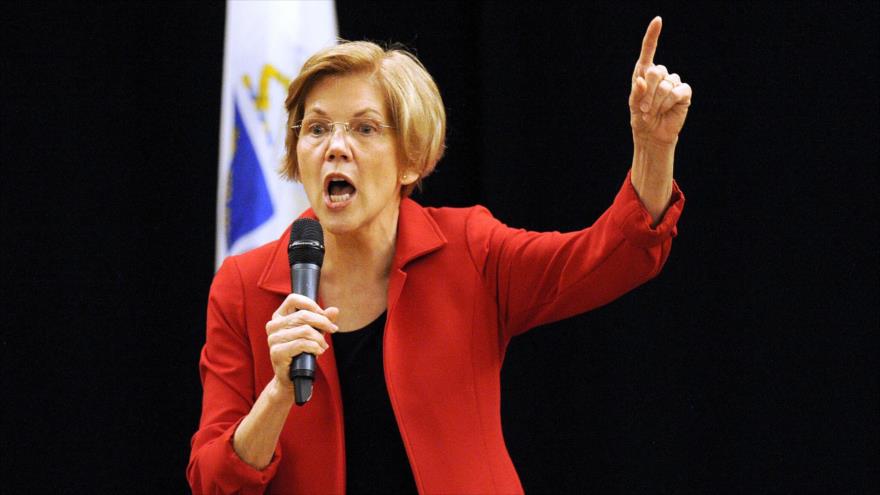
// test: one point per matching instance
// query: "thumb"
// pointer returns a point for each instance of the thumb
(332, 313)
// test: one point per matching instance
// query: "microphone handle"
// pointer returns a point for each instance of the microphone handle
(304, 279)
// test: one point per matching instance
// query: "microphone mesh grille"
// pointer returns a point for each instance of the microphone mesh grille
(306, 229)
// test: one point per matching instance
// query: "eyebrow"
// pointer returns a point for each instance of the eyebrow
(360, 113)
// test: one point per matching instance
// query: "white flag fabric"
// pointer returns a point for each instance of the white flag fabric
(266, 45)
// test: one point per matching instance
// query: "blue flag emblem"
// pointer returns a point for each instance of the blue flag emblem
(248, 203)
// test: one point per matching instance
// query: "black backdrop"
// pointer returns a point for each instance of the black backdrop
(748, 365)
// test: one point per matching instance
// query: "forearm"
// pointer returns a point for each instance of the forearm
(651, 177)
(257, 435)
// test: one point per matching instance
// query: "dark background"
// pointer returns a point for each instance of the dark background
(749, 365)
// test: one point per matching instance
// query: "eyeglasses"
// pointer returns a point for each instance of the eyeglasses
(364, 130)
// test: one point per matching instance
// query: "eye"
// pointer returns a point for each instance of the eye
(316, 129)
(365, 128)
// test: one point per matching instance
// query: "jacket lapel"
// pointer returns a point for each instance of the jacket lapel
(417, 235)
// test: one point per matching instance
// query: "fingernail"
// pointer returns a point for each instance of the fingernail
(646, 117)
(645, 107)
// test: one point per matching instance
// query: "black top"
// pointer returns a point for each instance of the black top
(375, 459)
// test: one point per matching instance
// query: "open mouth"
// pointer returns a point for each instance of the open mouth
(339, 191)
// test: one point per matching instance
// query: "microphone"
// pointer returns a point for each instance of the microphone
(306, 255)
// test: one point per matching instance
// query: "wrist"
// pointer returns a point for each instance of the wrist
(279, 392)
(652, 153)
(651, 176)
(652, 165)
(653, 145)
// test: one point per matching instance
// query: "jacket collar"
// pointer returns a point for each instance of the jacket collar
(417, 235)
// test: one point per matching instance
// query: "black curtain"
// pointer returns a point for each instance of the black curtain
(748, 365)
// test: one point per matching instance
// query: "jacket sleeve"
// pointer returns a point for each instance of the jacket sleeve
(538, 278)
(226, 369)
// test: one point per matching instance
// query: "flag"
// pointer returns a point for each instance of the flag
(266, 44)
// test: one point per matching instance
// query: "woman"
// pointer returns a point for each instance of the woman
(406, 395)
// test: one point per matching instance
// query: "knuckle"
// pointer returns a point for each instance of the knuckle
(292, 319)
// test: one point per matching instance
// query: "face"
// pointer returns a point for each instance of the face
(353, 182)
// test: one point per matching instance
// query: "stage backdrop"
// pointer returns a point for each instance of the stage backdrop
(748, 366)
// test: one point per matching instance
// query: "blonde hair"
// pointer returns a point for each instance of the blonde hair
(417, 112)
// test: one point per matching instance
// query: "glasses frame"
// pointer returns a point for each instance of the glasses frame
(345, 126)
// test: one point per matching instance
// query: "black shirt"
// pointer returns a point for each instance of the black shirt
(375, 459)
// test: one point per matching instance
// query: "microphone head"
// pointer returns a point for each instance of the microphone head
(306, 242)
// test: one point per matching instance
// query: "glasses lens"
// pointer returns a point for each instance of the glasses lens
(315, 129)
(364, 128)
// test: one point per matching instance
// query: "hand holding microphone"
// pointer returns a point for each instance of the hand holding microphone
(306, 255)
(295, 337)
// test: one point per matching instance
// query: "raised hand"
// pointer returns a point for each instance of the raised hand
(658, 105)
(658, 100)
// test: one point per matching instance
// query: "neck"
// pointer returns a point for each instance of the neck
(366, 253)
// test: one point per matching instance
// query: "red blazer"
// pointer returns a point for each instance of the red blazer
(462, 284)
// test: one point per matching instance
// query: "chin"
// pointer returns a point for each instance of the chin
(336, 224)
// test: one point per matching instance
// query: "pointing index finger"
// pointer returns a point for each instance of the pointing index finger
(649, 43)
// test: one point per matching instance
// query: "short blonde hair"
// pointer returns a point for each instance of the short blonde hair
(417, 112)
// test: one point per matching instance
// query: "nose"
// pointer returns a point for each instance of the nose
(337, 145)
